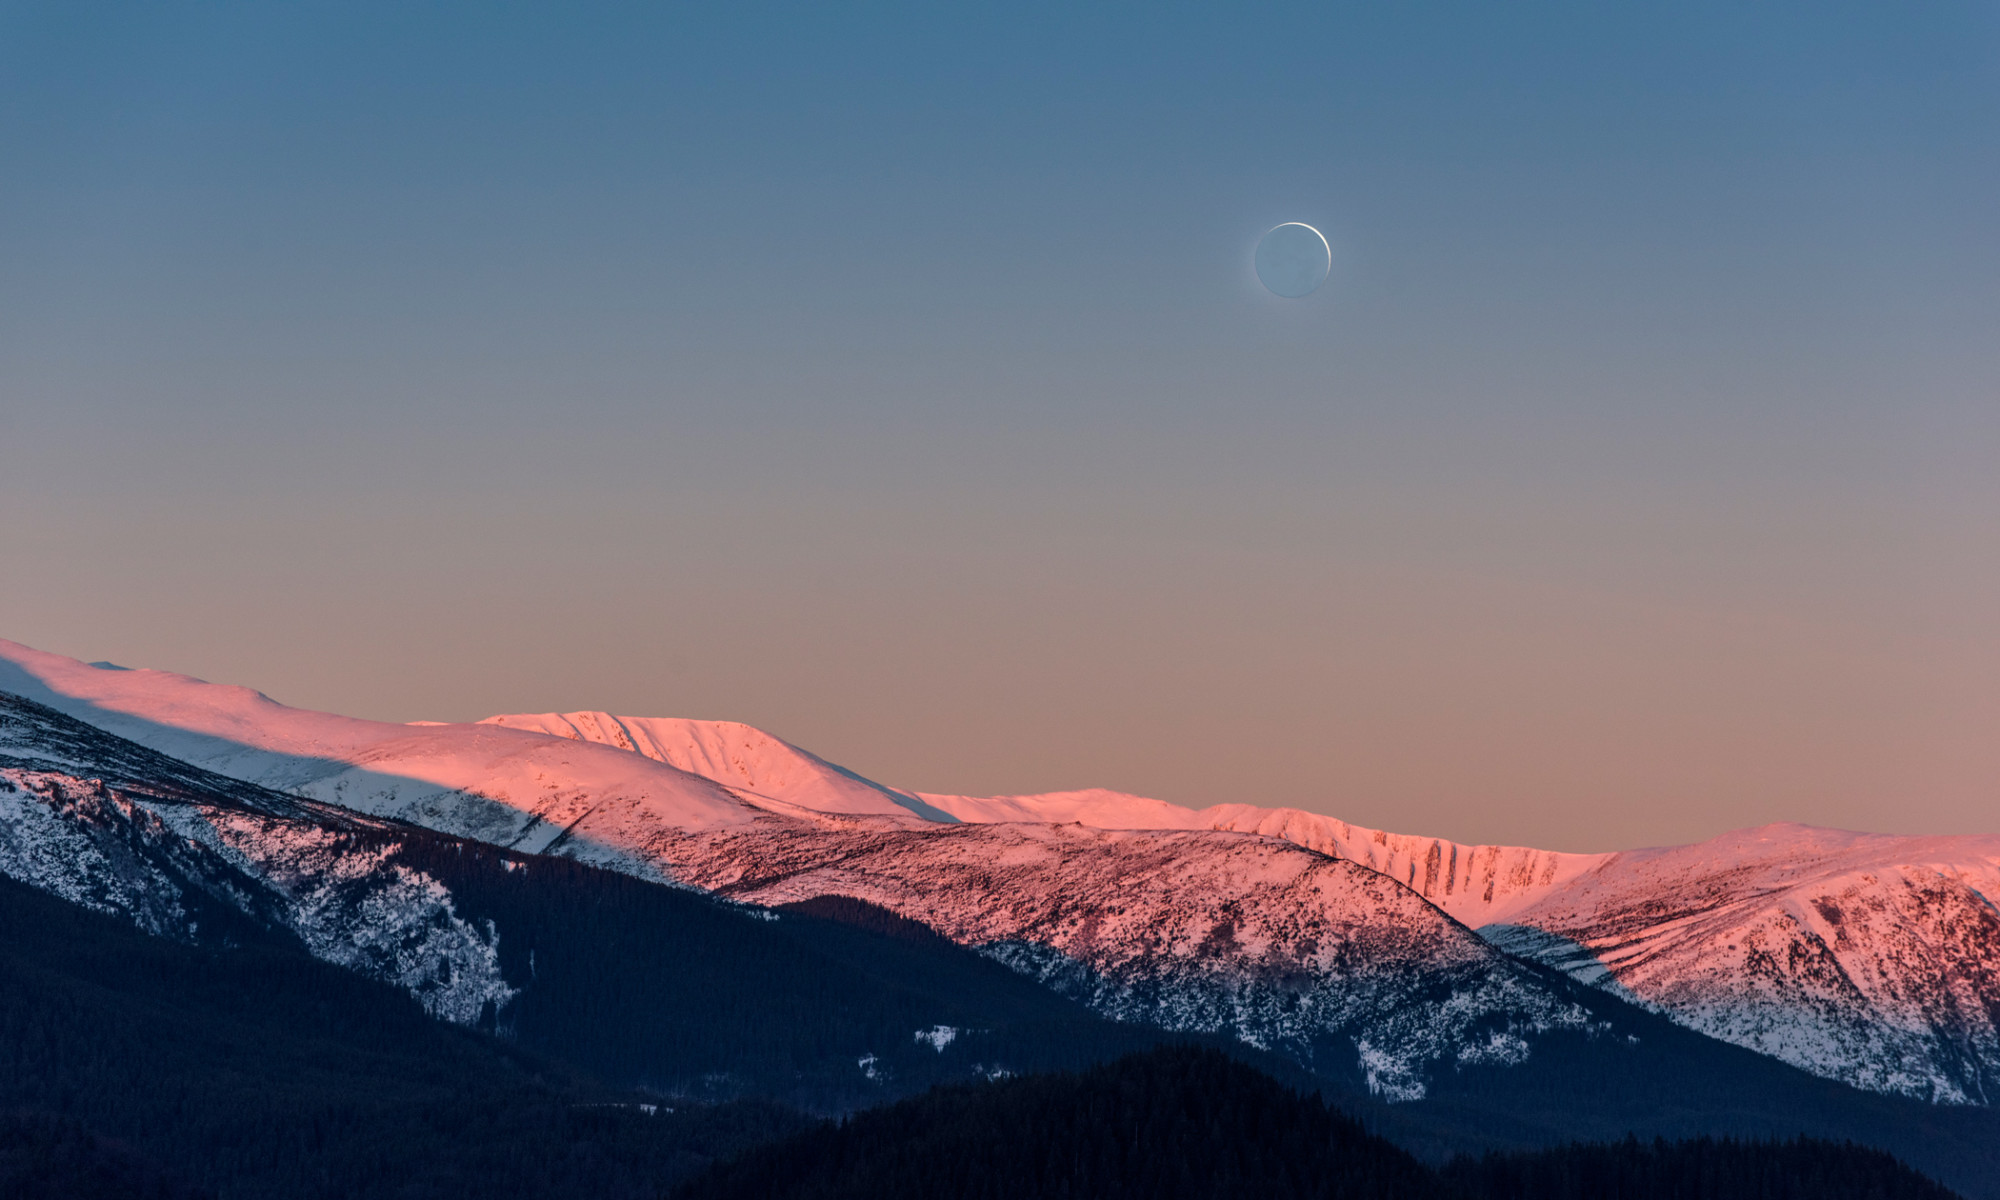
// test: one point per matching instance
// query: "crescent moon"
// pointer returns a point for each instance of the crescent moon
(1293, 259)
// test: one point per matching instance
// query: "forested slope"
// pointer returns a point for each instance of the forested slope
(1183, 1123)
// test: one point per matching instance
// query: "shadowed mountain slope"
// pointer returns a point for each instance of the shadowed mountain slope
(259, 1072)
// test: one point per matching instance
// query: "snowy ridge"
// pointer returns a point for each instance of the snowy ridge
(742, 758)
(514, 788)
(1099, 808)
(1478, 885)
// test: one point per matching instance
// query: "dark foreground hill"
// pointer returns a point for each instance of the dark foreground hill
(1178, 1123)
(259, 1072)
(1697, 1169)
(52, 1158)
(135, 1066)
(1184, 1123)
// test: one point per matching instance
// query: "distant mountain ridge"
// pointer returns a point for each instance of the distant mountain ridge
(833, 1002)
(1866, 958)
(1478, 885)
(1898, 992)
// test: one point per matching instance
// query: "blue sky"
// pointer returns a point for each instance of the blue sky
(896, 379)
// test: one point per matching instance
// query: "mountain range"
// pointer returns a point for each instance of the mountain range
(449, 860)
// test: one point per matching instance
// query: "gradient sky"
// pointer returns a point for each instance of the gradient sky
(895, 379)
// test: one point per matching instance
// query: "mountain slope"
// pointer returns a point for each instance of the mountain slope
(1169, 1125)
(832, 1003)
(1804, 1169)
(257, 1072)
(509, 787)
(1868, 959)
(1865, 958)
(194, 857)
(1897, 994)
(1365, 978)
(1336, 965)
(1478, 885)
(43, 1157)
(640, 983)
(1178, 1124)
(743, 758)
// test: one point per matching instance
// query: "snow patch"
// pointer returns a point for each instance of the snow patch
(937, 1037)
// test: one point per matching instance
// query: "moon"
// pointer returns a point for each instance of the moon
(1293, 259)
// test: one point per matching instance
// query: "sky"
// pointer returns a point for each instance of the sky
(896, 379)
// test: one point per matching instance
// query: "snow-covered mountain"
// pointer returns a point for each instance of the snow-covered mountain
(638, 983)
(1196, 930)
(1478, 885)
(1328, 962)
(1866, 958)
(510, 787)
(1872, 960)
(749, 762)
(1869, 959)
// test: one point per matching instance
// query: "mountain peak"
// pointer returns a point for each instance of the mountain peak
(743, 758)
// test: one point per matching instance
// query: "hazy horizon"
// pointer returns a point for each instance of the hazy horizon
(897, 382)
